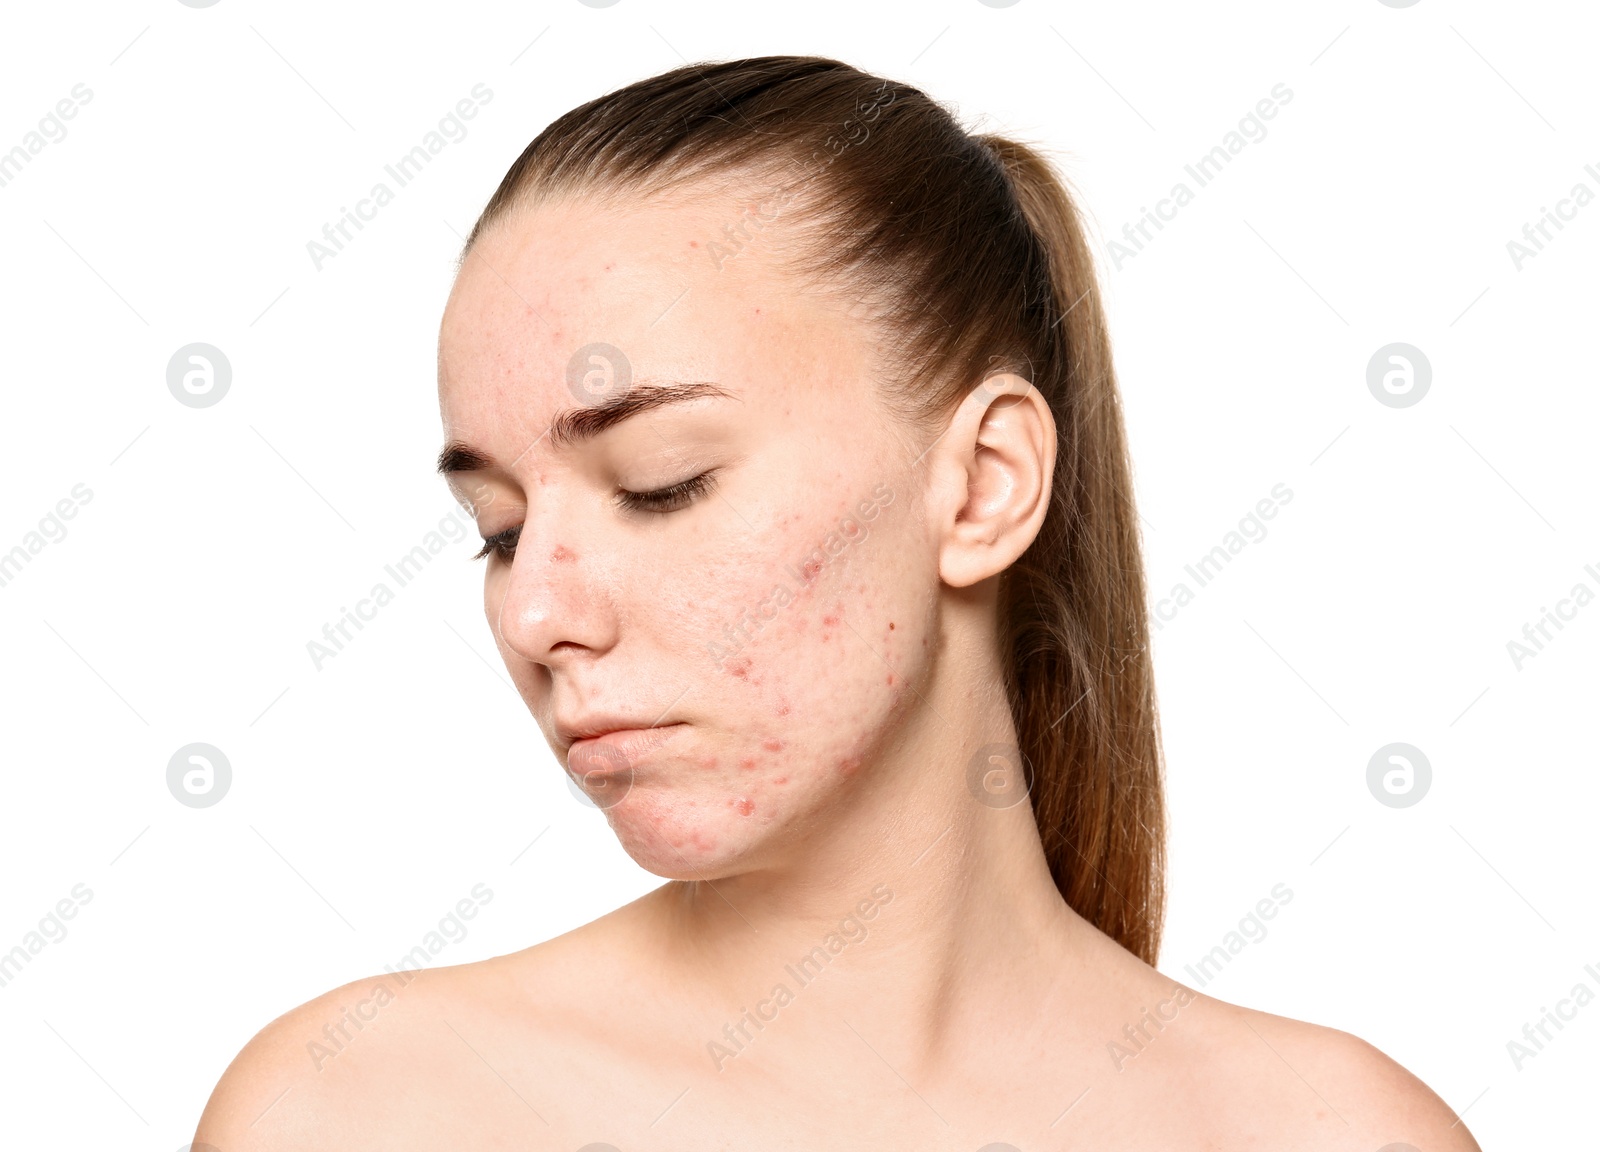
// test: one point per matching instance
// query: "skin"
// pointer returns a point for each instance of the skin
(815, 791)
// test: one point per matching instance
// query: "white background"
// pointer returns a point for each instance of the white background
(368, 797)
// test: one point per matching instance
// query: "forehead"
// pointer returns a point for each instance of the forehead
(551, 300)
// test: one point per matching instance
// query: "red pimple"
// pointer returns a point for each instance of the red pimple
(772, 744)
(562, 554)
(783, 709)
(891, 678)
(747, 762)
(831, 621)
(849, 764)
(740, 667)
(781, 780)
(744, 807)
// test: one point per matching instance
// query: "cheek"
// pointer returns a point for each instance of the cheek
(807, 649)
(782, 615)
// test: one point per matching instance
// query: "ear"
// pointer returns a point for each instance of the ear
(990, 479)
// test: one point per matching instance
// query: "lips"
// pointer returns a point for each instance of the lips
(600, 723)
(619, 750)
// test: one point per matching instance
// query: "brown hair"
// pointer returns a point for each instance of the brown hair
(970, 254)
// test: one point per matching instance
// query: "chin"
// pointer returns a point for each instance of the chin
(686, 838)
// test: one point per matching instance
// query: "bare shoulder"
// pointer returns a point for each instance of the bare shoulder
(421, 1059)
(275, 1093)
(1360, 1097)
(343, 1069)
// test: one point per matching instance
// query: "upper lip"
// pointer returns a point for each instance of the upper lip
(583, 728)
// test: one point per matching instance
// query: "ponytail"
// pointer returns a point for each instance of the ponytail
(1072, 612)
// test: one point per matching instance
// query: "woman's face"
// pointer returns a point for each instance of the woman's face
(772, 610)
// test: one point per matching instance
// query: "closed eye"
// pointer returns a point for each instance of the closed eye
(503, 545)
(670, 499)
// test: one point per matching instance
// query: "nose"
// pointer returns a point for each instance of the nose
(553, 601)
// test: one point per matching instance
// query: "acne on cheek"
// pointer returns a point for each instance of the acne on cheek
(789, 645)
(850, 764)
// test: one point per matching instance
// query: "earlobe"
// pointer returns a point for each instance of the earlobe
(1002, 447)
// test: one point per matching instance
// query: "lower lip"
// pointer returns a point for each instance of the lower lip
(630, 745)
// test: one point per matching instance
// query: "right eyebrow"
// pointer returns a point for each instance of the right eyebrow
(578, 425)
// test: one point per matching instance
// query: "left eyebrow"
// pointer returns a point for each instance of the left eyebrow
(579, 425)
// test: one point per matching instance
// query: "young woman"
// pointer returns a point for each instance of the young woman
(787, 413)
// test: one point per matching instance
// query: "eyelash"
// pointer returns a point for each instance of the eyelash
(502, 544)
(660, 501)
(664, 500)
